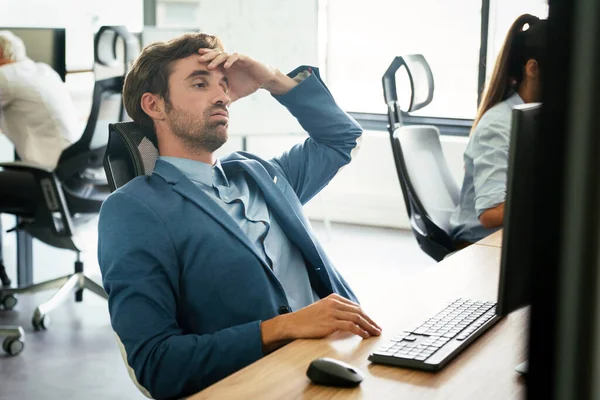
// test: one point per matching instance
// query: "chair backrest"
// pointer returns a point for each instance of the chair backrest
(428, 172)
(107, 106)
(430, 192)
(132, 151)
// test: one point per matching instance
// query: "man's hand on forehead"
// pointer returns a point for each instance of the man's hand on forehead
(244, 74)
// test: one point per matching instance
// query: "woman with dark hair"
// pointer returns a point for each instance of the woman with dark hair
(516, 80)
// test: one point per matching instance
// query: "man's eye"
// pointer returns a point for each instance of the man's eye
(200, 85)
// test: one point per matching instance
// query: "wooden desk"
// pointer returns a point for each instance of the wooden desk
(484, 371)
(495, 239)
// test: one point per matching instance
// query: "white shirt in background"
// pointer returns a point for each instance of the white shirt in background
(36, 112)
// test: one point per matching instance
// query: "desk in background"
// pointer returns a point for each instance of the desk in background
(485, 370)
(495, 239)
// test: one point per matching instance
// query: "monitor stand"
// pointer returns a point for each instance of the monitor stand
(522, 368)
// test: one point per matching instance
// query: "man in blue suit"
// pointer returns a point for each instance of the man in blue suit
(210, 264)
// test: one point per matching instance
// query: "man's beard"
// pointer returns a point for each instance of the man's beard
(197, 133)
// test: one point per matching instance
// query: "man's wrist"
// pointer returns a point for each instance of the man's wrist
(280, 84)
(274, 332)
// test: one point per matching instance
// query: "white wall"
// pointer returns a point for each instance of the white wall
(368, 190)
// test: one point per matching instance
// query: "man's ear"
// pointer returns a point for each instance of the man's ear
(154, 106)
(532, 69)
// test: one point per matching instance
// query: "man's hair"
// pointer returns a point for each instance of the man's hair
(151, 70)
(12, 46)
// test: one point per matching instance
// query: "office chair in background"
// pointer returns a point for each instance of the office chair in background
(430, 192)
(71, 195)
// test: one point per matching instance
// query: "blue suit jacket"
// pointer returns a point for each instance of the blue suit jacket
(187, 290)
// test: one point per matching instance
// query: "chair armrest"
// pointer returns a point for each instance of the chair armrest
(23, 166)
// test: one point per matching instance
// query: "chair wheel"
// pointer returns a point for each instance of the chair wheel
(13, 345)
(40, 322)
(9, 302)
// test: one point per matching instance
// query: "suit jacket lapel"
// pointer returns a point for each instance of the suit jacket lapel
(187, 189)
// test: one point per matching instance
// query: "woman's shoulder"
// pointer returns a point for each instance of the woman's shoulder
(499, 113)
(495, 120)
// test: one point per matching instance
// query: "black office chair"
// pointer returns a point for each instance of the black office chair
(71, 195)
(430, 192)
(132, 151)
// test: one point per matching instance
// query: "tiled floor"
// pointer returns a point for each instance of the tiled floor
(77, 357)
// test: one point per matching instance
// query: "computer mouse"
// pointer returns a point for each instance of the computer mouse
(331, 372)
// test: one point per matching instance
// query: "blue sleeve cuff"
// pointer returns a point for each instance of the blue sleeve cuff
(309, 80)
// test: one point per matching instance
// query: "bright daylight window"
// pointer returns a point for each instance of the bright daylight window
(364, 36)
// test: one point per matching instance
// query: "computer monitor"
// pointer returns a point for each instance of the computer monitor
(47, 45)
(514, 289)
(151, 34)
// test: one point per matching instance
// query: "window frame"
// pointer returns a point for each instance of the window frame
(447, 126)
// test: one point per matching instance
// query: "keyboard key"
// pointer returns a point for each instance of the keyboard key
(384, 353)
(421, 331)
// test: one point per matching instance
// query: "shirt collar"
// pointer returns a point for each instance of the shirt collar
(515, 100)
(198, 171)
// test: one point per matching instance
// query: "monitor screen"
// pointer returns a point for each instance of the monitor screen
(514, 289)
(45, 45)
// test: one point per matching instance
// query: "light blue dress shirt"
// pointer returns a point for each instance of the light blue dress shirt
(243, 200)
(486, 165)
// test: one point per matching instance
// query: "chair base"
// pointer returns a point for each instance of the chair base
(14, 341)
(67, 286)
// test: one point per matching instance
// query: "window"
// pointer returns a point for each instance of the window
(363, 37)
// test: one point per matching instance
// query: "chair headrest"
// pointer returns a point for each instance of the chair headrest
(419, 76)
(106, 46)
(132, 151)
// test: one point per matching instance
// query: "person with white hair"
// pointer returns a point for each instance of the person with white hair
(37, 114)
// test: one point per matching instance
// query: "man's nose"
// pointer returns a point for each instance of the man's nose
(221, 97)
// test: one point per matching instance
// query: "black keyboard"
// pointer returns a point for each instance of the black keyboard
(438, 340)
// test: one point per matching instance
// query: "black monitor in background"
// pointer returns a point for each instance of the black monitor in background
(47, 45)
(514, 289)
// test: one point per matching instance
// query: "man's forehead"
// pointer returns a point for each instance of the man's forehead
(185, 66)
